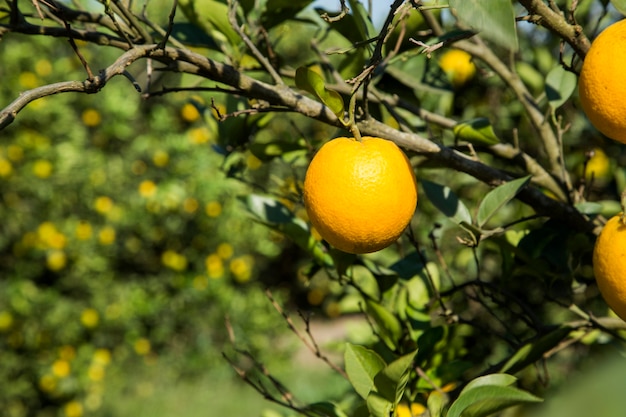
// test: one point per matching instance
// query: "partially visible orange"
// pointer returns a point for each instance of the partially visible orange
(602, 86)
(360, 195)
(609, 264)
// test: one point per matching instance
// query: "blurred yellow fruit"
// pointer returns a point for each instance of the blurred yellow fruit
(458, 67)
(103, 204)
(5, 168)
(142, 346)
(225, 250)
(56, 260)
(28, 80)
(106, 236)
(160, 158)
(200, 135)
(61, 368)
(241, 268)
(102, 356)
(42, 168)
(43, 67)
(47, 383)
(15, 153)
(213, 208)
(147, 188)
(200, 282)
(189, 113)
(73, 409)
(90, 318)
(173, 260)
(91, 117)
(6, 321)
(416, 410)
(84, 230)
(190, 205)
(214, 266)
(598, 166)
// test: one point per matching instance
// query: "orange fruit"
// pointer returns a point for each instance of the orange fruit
(602, 86)
(609, 264)
(458, 67)
(360, 195)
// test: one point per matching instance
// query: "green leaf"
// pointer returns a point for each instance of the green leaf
(326, 409)
(494, 19)
(364, 23)
(311, 81)
(478, 131)
(497, 198)
(560, 84)
(436, 403)
(389, 327)
(533, 351)
(391, 381)
(503, 380)
(212, 17)
(362, 365)
(276, 215)
(485, 400)
(378, 405)
(279, 11)
(446, 201)
(620, 5)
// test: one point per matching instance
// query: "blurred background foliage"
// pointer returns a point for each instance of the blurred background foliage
(130, 255)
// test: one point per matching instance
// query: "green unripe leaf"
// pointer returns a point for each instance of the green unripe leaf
(478, 131)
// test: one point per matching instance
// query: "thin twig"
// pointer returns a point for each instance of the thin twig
(232, 18)
(308, 341)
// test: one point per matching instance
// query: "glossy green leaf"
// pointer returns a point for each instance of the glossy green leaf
(362, 365)
(327, 409)
(446, 201)
(276, 215)
(436, 403)
(533, 351)
(503, 380)
(311, 81)
(493, 19)
(391, 381)
(212, 17)
(378, 405)
(278, 11)
(560, 84)
(485, 400)
(363, 21)
(389, 327)
(478, 131)
(497, 198)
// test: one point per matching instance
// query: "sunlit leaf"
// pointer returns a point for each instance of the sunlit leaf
(497, 198)
(378, 405)
(493, 19)
(533, 351)
(362, 365)
(391, 381)
(485, 400)
(311, 81)
(478, 131)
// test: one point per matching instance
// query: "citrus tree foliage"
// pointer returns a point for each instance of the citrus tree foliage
(126, 201)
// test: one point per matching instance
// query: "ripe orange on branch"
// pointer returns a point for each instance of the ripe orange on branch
(602, 86)
(609, 264)
(360, 195)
